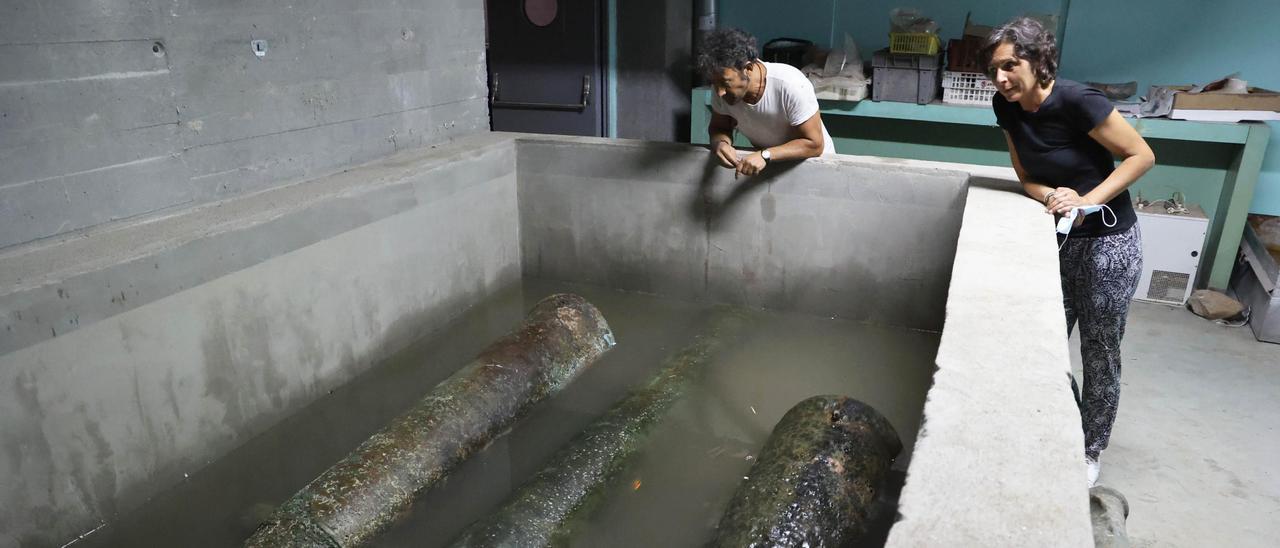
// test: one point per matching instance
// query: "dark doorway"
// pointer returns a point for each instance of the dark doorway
(545, 66)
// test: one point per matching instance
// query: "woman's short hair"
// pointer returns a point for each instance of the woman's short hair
(1031, 41)
(726, 48)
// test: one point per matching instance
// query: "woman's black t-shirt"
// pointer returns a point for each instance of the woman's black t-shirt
(1055, 149)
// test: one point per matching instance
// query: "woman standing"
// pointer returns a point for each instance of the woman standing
(1063, 138)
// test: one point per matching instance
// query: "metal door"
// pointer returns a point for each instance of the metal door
(545, 66)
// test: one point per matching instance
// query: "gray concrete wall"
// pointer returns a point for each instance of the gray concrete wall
(115, 109)
(861, 240)
(655, 41)
(137, 354)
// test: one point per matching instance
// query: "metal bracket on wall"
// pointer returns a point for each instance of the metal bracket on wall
(495, 100)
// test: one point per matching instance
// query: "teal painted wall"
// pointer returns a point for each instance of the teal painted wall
(825, 22)
(768, 19)
(1181, 41)
(1151, 41)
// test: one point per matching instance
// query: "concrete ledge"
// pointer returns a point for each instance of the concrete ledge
(999, 460)
(53, 287)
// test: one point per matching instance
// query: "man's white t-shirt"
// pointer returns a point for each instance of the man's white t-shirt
(788, 101)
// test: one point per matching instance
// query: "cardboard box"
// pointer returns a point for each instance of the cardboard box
(1256, 99)
(962, 55)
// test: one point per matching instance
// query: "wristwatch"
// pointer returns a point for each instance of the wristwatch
(765, 154)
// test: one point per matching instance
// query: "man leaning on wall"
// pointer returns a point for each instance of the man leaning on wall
(772, 104)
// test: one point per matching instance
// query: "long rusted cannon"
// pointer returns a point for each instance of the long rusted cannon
(362, 494)
(537, 513)
(816, 478)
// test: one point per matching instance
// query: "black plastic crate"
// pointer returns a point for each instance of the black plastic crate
(905, 77)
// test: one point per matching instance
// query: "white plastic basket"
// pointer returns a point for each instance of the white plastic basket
(966, 80)
(833, 92)
(961, 96)
(839, 88)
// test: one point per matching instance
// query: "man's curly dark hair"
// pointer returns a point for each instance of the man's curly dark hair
(1031, 41)
(726, 48)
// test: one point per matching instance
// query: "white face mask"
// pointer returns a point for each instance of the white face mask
(1068, 221)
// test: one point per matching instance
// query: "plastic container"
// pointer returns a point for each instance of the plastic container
(960, 96)
(966, 80)
(967, 88)
(904, 78)
(924, 43)
(840, 89)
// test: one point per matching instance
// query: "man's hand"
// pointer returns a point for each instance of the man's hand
(727, 155)
(751, 165)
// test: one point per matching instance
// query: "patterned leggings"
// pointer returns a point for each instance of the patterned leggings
(1099, 276)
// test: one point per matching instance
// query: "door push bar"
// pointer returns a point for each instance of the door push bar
(495, 100)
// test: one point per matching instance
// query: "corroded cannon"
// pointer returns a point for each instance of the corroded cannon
(363, 493)
(815, 479)
(537, 513)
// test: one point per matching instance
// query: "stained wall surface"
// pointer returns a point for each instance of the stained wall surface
(121, 108)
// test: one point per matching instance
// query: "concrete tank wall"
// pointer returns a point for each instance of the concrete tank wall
(119, 108)
(998, 460)
(143, 350)
(870, 241)
(178, 340)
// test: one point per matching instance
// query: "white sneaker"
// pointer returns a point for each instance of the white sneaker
(1094, 468)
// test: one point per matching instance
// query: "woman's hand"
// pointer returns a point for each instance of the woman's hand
(1061, 200)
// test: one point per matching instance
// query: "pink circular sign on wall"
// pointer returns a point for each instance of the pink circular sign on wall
(540, 12)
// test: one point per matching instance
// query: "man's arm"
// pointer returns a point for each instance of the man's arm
(806, 142)
(721, 132)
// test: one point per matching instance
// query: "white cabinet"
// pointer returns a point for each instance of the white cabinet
(1172, 245)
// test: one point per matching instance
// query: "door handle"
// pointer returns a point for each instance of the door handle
(495, 100)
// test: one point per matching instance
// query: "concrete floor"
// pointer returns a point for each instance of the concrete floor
(1195, 447)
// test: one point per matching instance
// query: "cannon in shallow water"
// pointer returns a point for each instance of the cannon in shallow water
(815, 480)
(536, 514)
(363, 493)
